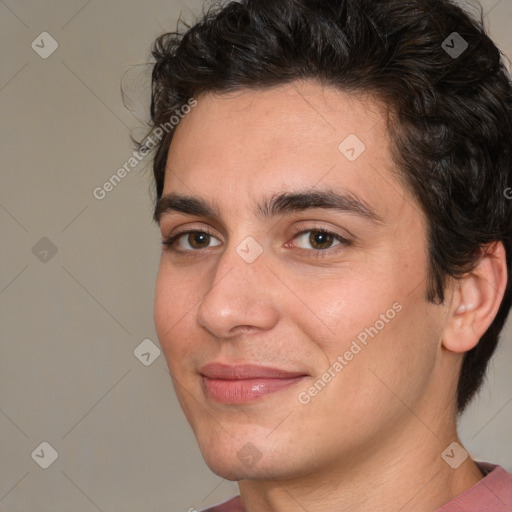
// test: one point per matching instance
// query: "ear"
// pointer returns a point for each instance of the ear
(476, 299)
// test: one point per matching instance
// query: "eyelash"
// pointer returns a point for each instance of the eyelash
(319, 253)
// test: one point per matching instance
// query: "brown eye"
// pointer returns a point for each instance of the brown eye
(318, 240)
(198, 239)
(190, 241)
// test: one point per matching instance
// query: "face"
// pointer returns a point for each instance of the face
(290, 295)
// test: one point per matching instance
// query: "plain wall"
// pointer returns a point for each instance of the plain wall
(69, 325)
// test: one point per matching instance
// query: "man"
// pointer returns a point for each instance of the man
(337, 248)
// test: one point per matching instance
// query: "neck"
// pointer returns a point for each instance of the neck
(405, 472)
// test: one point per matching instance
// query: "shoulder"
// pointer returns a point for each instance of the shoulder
(233, 505)
(491, 494)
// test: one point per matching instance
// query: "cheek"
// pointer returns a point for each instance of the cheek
(163, 310)
(396, 363)
(172, 310)
(374, 320)
(336, 309)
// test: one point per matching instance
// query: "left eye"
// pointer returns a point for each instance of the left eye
(319, 239)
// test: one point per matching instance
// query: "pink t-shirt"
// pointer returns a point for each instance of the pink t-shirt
(491, 494)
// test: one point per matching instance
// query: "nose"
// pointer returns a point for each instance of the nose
(241, 297)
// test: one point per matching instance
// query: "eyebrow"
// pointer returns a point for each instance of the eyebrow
(278, 204)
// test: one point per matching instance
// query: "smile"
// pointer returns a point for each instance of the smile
(245, 383)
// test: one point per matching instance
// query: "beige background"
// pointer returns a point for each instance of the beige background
(69, 325)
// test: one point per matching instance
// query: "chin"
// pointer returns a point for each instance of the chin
(235, 471)
(236, 460)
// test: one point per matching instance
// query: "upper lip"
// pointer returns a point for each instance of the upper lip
(246, 371)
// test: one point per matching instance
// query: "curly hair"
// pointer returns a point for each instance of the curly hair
(449, 114)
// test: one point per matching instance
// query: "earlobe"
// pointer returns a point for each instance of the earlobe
(475, 301)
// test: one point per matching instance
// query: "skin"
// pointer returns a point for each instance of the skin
(372, 438)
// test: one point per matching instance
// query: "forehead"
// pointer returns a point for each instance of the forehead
(254, 143)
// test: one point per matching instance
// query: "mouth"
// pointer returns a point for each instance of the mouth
(239, 384)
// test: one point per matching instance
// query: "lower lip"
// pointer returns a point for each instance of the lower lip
(246, 390)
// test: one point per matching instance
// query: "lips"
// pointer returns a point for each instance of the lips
(238, 384)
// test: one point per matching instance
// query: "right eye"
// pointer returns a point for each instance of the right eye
(190, 241)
